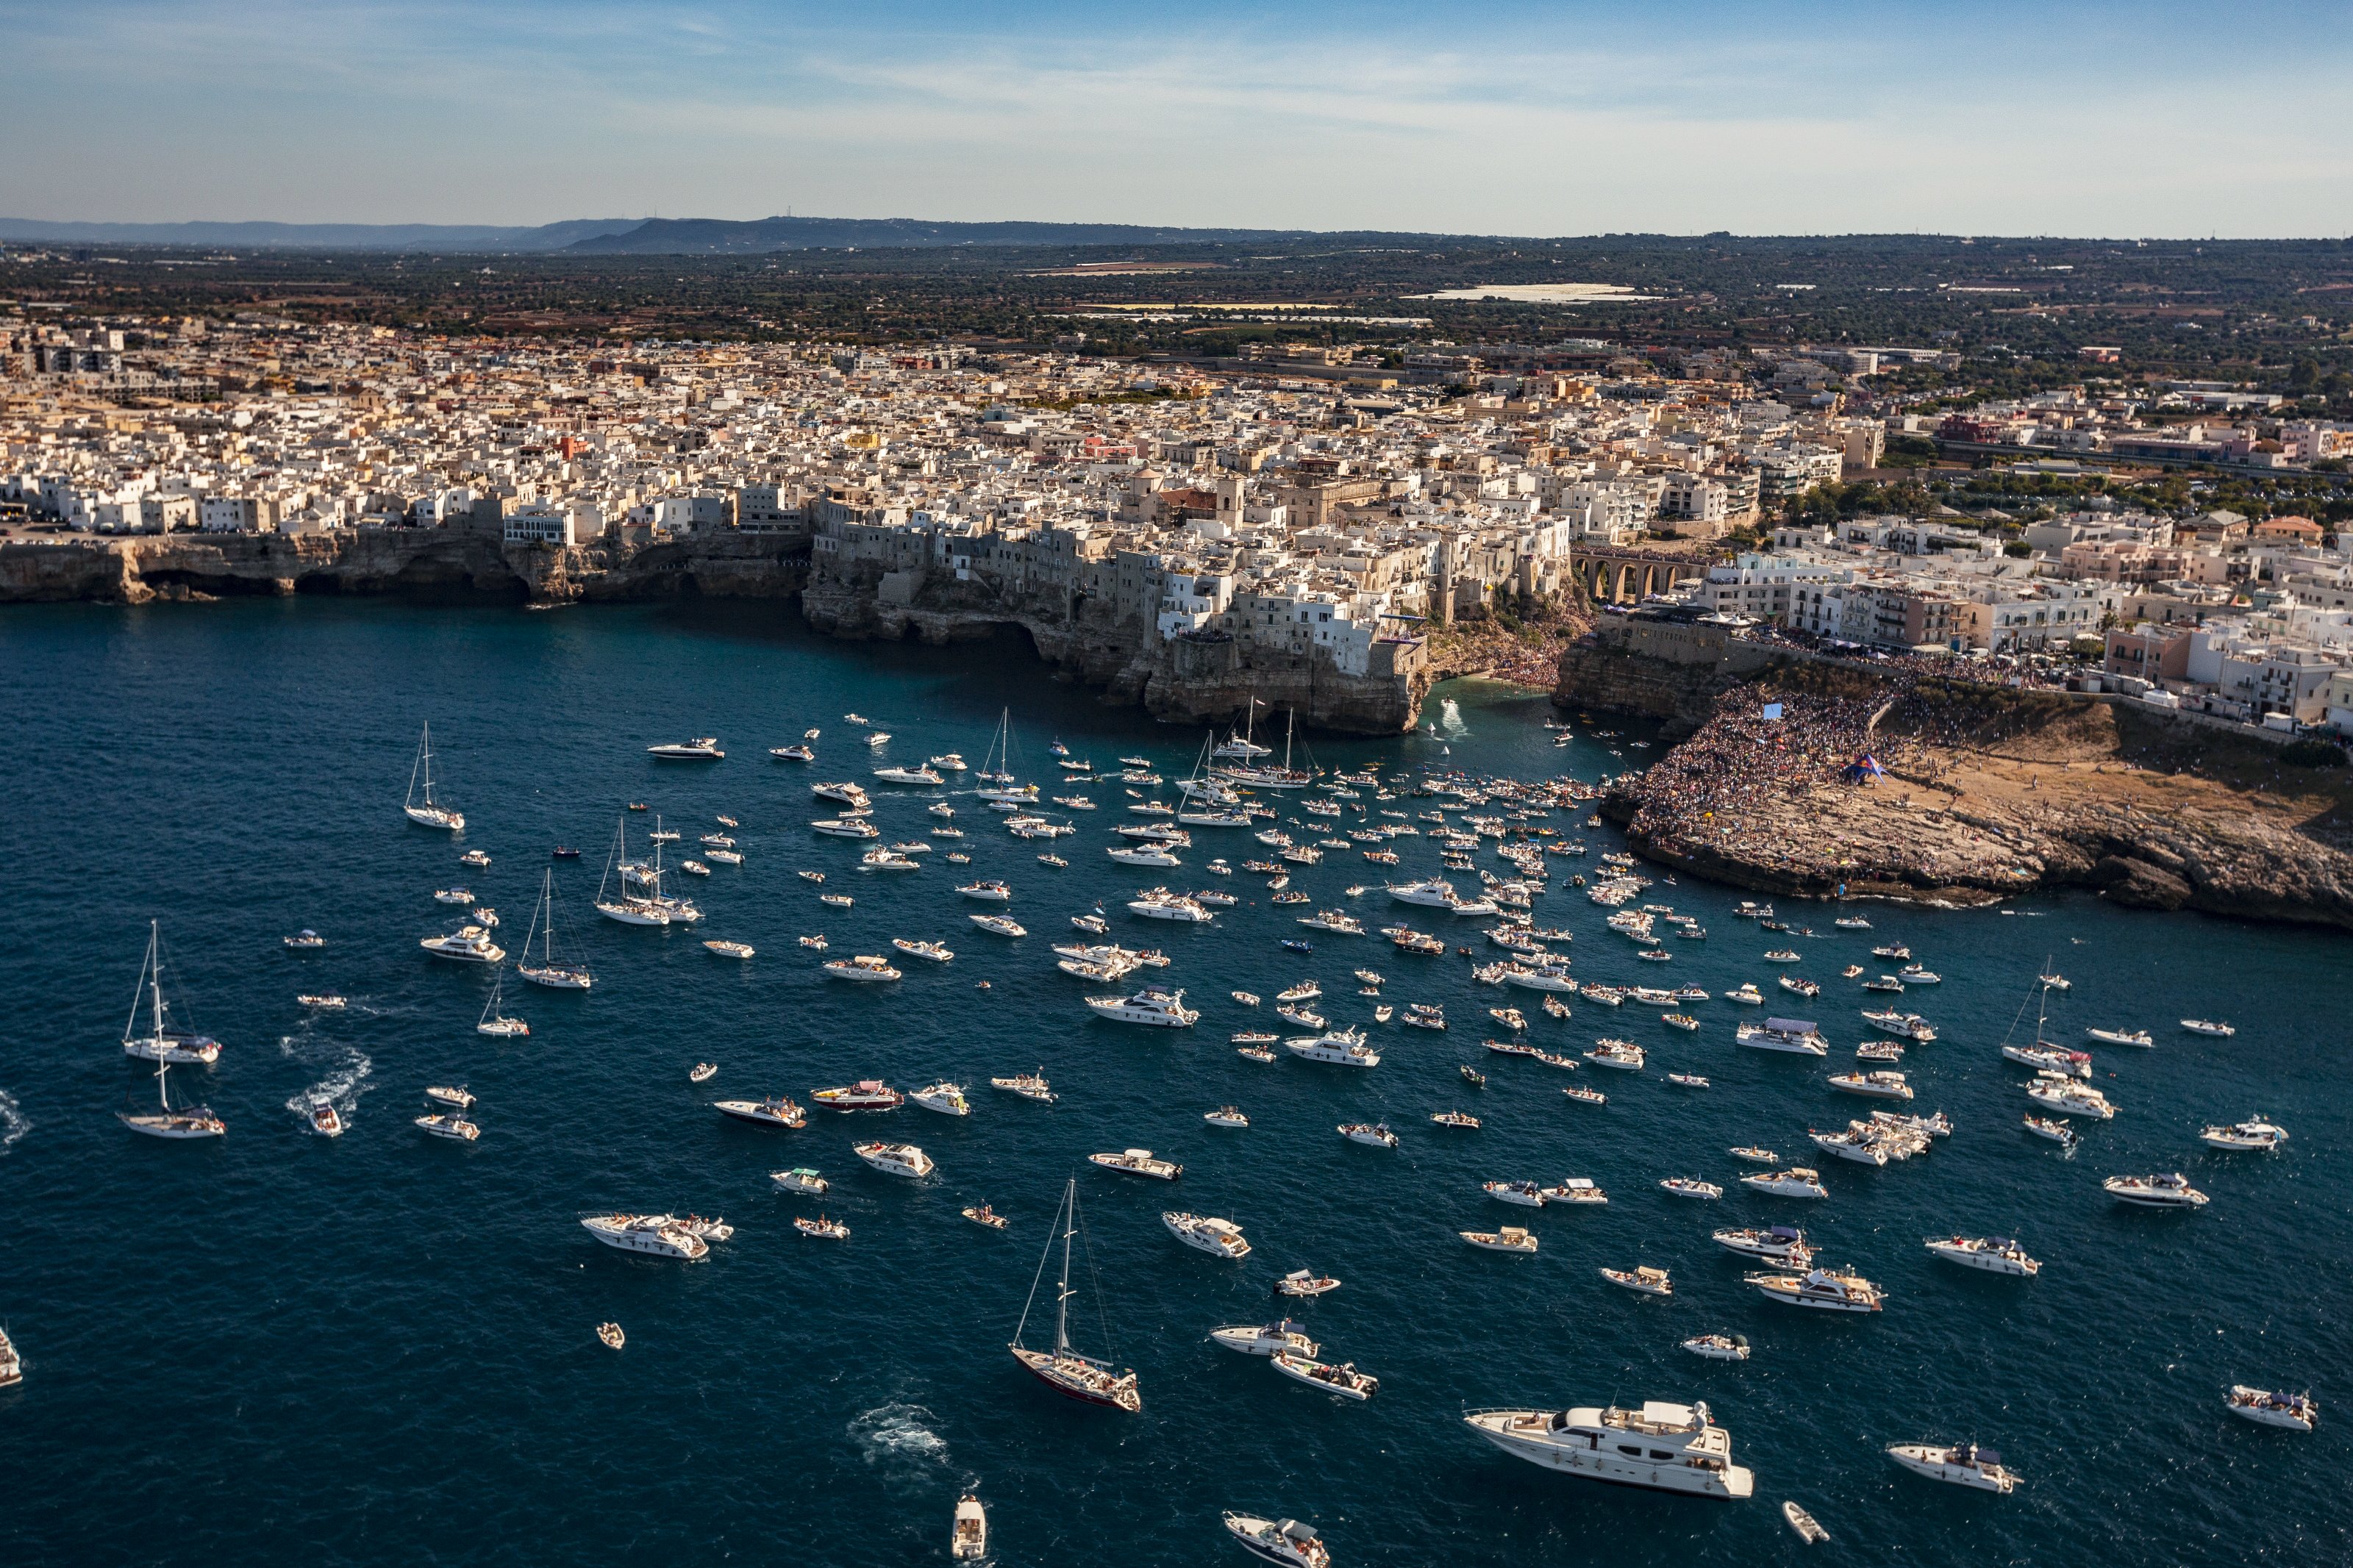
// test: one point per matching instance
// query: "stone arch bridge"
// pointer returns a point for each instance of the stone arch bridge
(1614, 574)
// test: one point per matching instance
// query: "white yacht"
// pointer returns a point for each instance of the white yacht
(988, 891)
(846, 828)
(998, 925)
(1512, 1239)
(1341, 1047)
(162, 1042)
(495, 1024)
(1141, 855)
(908, 776)
(1797, 1037)
(169, 1121)
(1284, 1542)
(948, 1099)
(775, 1111)
(1881, 1085)
(1160, 904)
(800, 1179)
(1994, 1254)
(1206, 1232)
(2295, 1412)
(466, 944)
(1266, 1339)
(1719, 1347)
(847, 794)
(426, 814)
(642, 907)
(894, 1159)
(968, 1531)
(443, 1125)
(1343, 1379)
(2061, 1092)
(2209, 1026)
(2165, 1191)
(1964, 1465)
(1435, 892)
(547, 971)
(1796, 1182)
(1375, 1134)
(2256, 1133)
(701, 749)
(932, 951)
(949, 763)
(1824, 1290)
(655, 1235)
(2140, 1037)
(868, 967)
(1745, 993)
(1150, 1006)
(1139, 1163)
(1662, 1447)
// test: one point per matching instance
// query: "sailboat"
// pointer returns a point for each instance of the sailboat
(1270, 777)
(188, 1122)
(1062, 1369)
(996, 774)
(495, 1023)
(628, 908)
(161, 1043)
(428, 814)
(547, 971)
(1208, 802)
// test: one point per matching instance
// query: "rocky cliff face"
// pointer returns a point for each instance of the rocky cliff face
(1990, 793)
(1178, 682)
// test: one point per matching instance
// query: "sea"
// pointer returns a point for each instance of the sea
(379, 1349)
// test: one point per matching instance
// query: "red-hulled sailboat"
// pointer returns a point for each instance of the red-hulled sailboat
(1062, 1369)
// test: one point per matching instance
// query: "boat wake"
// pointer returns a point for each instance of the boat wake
(1450, 719)
(341, 1087)
(13, 1122)
(895, 1438)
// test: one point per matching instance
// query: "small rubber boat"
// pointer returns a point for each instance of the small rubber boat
(822, 1229)
(703, 1072)
(612, 1335)
(1719, 1347)
(1811, 1534)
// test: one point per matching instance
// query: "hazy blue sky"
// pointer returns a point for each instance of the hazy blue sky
(1566, 117)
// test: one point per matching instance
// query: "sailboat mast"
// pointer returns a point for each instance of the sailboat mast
(155, 972)
(1289, 722)
(1062, 1286)
(412, 772)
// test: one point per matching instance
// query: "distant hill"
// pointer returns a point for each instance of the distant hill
(317, 235)
(703, 237)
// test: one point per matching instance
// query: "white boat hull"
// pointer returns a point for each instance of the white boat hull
(1510, 1430)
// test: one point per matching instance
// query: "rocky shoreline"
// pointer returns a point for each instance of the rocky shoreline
(1988, 792)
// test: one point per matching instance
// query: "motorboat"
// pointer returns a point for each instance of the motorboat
(1585, 1096)
(1138, 1162)
(1643, 1281)
(2044, 1057)
(866, 1094)
(2265, 1407)
(846, 828)
(968, 1530)
(611, 1336)
(1774, 1244)
(1461, 1120)
(736, 949)
(932, 951)
(2209, 1026)
(1809, 1528)
(1796, 1036)
(1028, 1085)
(948, 763)
(1993, 1253)
(881, 859)
(868, 967)
(443, 1125)
(1506, 1238)
(1374, 1133)
(1719, 1347)
(1151, 1006)
(919, 776)
(1226, 1116)
(990, 891)
(325, 1120)
(800, 1179)
(1746, 994)
(1755, 1155)
(1882, 1085)
(775, 1111)
(1909, 1025)
(1266, 1339)
(2053, 1128)
(1824, 1290)
(1526, 1194)
(797, 752)
(1622, 1054)
(998, 925)
(1344, 1379)
(982, 1214)
(655, 1235)
(1423, 1015)
(1919, 974)
(1160, 904)
(1339, 1048)
(1304, 1282)
(1689, 1187)
(2061, 1092)
(1964, 1465)
(1206, 1232)
(2255, 1134)
(1141, 855)
(2164, 1192)
(1796, 1182)
(466, 944)
(304, 941)
(701, 749)
(1660, 1447)
(894, 1159)
(2140, 1037)
(821, 1229)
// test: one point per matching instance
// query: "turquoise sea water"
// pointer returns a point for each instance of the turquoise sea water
(378, 1349)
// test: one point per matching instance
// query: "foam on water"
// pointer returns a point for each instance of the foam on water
(13, 1122)
(895, 1438)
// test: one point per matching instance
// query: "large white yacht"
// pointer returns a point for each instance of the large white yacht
(2061, 1092)
(1662, 1447)
(1796, 1182)
(1206, 1232)
(427, 814)
(701, 749)
(1777, 1244)
(1141, 855)
(846, 828)
(1964, 1465)
(1150, 1006)
(1341, 1047)
(1434, 892)
(1825, 1290)
(1994, 1254)
(656, 1235)
(847, 793)
(2254, 1133)
(1796, 1035)
(1160, 904)
(466, 944)
(907, 775)
(2169, 1192)
(894, 1159)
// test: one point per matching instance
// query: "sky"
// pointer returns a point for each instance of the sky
(2147, 118)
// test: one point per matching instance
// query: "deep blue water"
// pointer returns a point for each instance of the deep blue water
(378, 1349)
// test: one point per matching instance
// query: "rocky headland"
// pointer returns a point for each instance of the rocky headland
(1987, 792)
